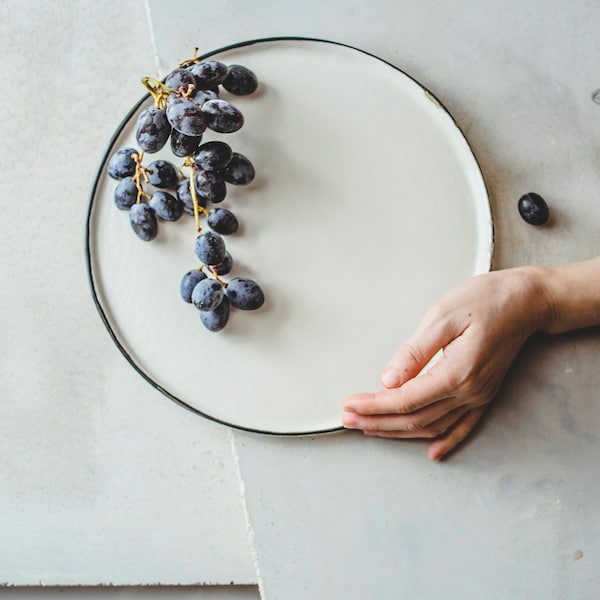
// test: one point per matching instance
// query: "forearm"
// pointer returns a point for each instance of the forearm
(572, 293)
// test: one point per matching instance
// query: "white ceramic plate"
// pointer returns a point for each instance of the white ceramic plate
(367, 205)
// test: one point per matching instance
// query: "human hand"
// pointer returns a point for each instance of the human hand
(481, 325)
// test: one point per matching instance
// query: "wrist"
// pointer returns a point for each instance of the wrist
(543, 299)
(538, 301)
(571, 295)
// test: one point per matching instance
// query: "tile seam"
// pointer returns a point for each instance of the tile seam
(249, 527)
(157, 65)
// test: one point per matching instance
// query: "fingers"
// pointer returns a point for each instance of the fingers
(433, 333)
(414, 395)
(432, 430)
(405, 422)
(455, 435)
(450, 431)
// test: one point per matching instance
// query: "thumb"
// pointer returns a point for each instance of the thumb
(430, 337)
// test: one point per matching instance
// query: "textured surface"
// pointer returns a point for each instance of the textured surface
(513, 514)
(102, 480)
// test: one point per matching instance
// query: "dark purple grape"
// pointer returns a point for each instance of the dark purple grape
(224, 267)
(184, 145)
(240, 80)
(180, 78)
(189, 282)
(210, 185)
(208, 73)
(222, 221)
(152, 129)
(185, 195)
(210, 248)
(185, 116)
(207, 294)
(163, 174)
(166, 206)
(202, 96)
(245, 294)
(143, 221)
(215, 320)
(125, 194)
(222, 116)
(213, 156)
(121, 164)
(239, 171)
(533, 209)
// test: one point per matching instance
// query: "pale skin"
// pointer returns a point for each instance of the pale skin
(481, 325)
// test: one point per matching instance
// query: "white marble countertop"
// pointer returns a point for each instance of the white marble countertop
(513, 513)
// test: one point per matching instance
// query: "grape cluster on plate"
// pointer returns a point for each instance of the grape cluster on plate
(186, 104)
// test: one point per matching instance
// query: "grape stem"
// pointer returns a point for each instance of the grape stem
(158, 90)
(190, 61)
(141, 172)
(188, 162)
(216, 276)
(186, 93)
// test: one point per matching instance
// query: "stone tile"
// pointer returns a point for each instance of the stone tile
(513, 513)
(105, 481)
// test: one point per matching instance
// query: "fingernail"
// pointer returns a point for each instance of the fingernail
(349, 405)
(390, 377)
(348, 420)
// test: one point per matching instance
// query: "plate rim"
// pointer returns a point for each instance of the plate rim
(100, 173)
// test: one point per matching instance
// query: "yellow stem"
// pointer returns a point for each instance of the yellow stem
(195, 201)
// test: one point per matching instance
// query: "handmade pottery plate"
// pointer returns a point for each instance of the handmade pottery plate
(368, 203)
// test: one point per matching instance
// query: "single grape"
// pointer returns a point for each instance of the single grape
(166, 206)
(185, 116)
(207, 294)
(222, 116)
(239, 171)
(224, 267)
(240, 80)
(533, 209)
(210, 185)
(210, 248)
(208, 73)
(125, 194)
(202, 96)
(152, 129)
(121, 163)
(245, 294)
(185, 195)
(189, 282)
(143, 221)
(184, 145)
(215, 320)
(213, 156)
(180, 78)
(222, 221)
(162, 174)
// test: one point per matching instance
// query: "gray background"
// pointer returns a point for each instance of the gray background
(512, 514)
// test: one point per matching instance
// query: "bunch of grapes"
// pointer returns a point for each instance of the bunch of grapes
(186, 104)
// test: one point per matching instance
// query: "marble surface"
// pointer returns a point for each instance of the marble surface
(103, 482)
(103, 478)
(513, 513)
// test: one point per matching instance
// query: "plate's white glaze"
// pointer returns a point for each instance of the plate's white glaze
(368, 204)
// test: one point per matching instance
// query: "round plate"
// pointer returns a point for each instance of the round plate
(367, 205)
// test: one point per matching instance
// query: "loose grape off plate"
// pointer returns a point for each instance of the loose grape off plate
(367, 204)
